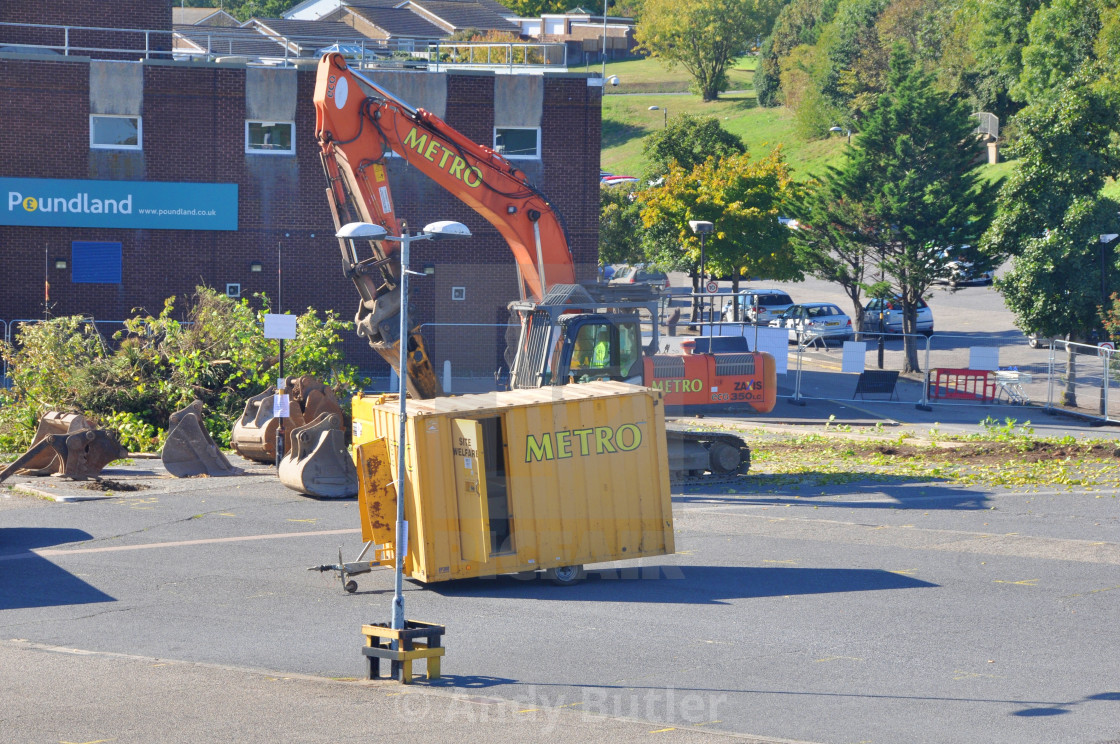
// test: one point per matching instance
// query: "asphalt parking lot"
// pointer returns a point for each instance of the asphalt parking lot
(893, 610)
(889, 611)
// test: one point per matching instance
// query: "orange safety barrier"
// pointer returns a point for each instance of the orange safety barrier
(963, 384)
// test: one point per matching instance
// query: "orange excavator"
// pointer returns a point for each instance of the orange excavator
(567, 332)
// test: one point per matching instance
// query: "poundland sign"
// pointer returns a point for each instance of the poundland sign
(142, 205)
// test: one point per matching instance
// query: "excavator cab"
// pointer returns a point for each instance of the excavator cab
(599, 347)
(574, 337)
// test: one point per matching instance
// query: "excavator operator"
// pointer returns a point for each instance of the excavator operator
(601, 357)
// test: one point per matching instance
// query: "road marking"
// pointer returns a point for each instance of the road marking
(791, 563)
(95, 741)
(973, 675)
(1091, 591)
(661, 731)
(904, 571)
(839, 658)
(1021, 582)
(183, 543)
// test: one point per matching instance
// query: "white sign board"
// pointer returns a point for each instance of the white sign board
(279, 326)
(775, 342)
(855, 357)
(984, 357)
(712, 287)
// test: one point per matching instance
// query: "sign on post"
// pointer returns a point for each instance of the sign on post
(280, 326)
(712, 287)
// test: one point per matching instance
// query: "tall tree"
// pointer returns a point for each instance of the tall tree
(1050, 216)
(912, 180)
(833, 247)
(703, 36)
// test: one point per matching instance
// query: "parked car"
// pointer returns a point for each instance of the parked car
(770, 303)
(892, 317)
(640, 275)
(820, 319)
(610, 179)
(962, 271)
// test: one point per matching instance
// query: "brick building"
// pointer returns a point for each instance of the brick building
(110, 123)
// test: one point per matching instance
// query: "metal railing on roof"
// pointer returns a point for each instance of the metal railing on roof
(216, 43)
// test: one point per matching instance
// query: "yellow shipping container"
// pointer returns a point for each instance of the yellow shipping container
(518, 481)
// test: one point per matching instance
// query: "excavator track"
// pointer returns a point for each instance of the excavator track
(687, 449)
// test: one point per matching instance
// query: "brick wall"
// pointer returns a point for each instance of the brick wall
(193, 123)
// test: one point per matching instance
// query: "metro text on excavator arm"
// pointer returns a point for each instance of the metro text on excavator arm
(359, 125)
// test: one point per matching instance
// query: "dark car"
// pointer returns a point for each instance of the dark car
(640, 275)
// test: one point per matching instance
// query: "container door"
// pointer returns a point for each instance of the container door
(470, 490)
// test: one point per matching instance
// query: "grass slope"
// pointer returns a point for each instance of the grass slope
(645, 82)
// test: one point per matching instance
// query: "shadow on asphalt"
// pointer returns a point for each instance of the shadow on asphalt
(28, 580)
(904, 493)
(670, 584)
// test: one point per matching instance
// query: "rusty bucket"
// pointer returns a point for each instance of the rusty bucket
(318, 463)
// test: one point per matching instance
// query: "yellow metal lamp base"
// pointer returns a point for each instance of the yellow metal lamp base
(401, 647)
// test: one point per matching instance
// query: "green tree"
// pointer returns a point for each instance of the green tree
(798, 24)
(983, 58)
(1050, 215)
(703, 36)
(688, 140)
(743, 199)
(912, 175)
(1062, 37)
(835, 248)
(620, 225)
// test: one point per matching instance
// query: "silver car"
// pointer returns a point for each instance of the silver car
(892, 317)
(769, 303)
(815, 320)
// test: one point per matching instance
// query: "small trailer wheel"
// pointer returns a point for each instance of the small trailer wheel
(350, 586)
(565, 575)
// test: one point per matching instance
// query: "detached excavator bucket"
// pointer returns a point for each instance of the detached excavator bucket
(75, 453)
(189, 450)
(48, 461)
(318, 463)
(254, 434)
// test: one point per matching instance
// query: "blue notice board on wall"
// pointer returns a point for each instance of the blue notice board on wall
(95, 263)
(141, 205)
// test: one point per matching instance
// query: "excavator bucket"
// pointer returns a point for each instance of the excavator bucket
(54, 422)
(189, 450)
(254, 434)
(75, 453)
(318, 463)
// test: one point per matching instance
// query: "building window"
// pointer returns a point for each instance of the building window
(115, 132)
(518, 142)
(233, 291)
(95, 263)
(270, 137)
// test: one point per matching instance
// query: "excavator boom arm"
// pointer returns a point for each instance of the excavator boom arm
(359, 122)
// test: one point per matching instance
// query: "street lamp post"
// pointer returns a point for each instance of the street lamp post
(1106, 239)
(665, 114)
(845, 130)
(433, 231)
(605, 40)
(702, 228)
